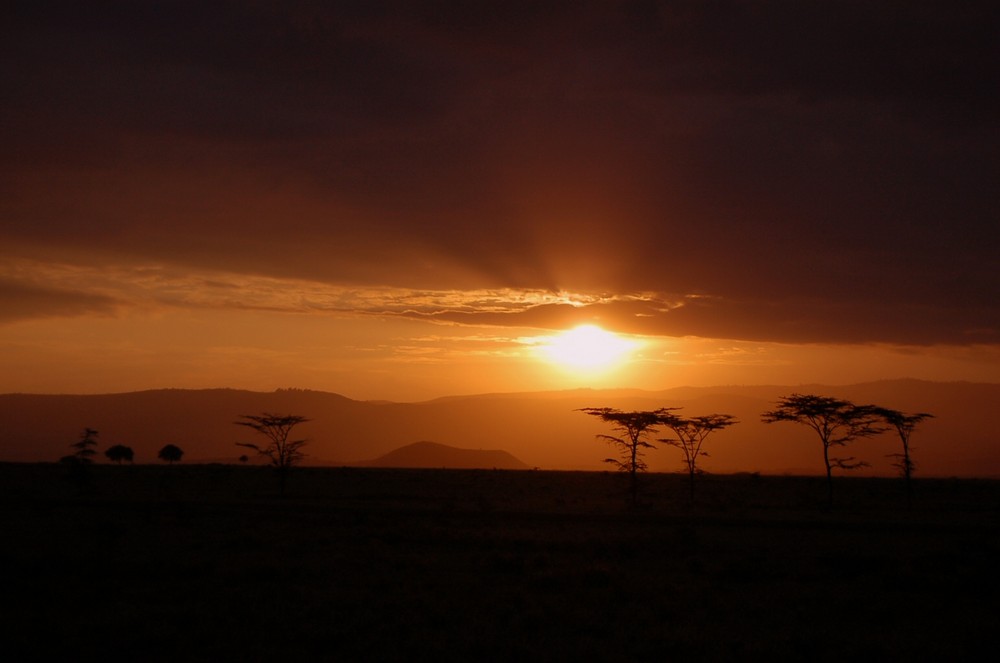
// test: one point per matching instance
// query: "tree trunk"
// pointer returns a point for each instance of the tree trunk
(282, 474)
(634, 486)
(907, 468)
(829, 476)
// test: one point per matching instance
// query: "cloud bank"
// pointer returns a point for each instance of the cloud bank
(819, 172)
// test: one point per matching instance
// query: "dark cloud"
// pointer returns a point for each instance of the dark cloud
(793, 321)
(22, 301)
(830, 164)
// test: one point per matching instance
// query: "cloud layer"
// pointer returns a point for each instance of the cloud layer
(766, 171)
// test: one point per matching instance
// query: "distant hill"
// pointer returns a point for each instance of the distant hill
(433, 455)
(541, 429)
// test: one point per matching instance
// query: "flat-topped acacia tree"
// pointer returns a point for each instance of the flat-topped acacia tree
(835, 420)
(691, 433)
(282, 452)
(903, 424)
(633, 428)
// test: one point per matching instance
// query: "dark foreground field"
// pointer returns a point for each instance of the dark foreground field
(207, 562)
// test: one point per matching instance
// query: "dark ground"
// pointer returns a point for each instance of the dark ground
(208, 562)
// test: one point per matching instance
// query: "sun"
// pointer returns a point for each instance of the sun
(587, 348)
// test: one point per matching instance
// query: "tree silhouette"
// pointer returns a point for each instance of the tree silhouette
(170, 453)
(80, 460)
(84, 448)
(633, 428)
(119, 452)
(691, 434)
(904, 425)
(282, 452)
(836, 421)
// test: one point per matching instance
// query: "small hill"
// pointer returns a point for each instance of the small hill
(433, 455)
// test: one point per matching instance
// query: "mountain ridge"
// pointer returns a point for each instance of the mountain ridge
(542, 429)
(627, 391)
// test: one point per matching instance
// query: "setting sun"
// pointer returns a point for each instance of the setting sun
(587, 347)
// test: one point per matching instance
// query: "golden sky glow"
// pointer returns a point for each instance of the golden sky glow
(587, 349)
(150, 325)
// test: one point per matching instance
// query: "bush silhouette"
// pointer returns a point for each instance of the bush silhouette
(118, 453)
(171, 453)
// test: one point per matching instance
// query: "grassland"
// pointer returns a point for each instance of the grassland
(208, 562)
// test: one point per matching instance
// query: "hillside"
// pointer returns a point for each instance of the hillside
(432, 455)
(541, 429)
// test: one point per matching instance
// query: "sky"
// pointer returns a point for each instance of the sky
(405, 200)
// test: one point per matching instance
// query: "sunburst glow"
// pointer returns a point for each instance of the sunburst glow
(587, 348)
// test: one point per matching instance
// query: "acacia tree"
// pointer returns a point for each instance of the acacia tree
(282, 452)
(691, 434)
(633, 428)
(170, 453)
(835, 420)
(119, 452)
(904, 425)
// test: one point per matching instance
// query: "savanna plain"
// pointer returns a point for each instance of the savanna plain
(210, 562)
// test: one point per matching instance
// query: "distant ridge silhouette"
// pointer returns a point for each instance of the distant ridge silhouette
(543, 429)
(433, 455)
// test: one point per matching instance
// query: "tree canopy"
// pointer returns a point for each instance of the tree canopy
(118, 453)
(282, 452)
(170, 453)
